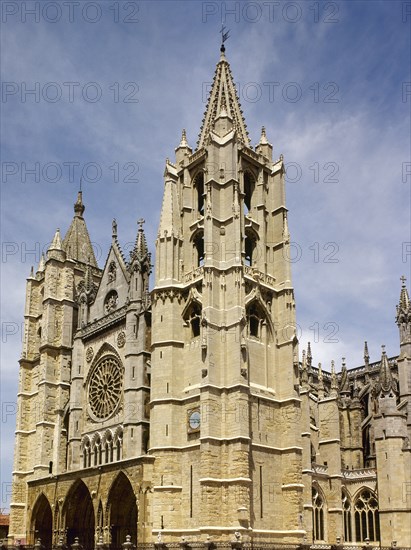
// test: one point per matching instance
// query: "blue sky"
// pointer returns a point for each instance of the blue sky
(327, 79)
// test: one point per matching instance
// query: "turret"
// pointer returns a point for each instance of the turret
(403, 320)
(392, 459)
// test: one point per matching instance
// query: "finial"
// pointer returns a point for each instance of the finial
(383, 349)
(403, 279)
(114, 228)
(183, 142)
(140, 223)
(78, 205)
(263, 138)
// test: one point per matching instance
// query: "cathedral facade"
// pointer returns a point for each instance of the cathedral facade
(183, 412)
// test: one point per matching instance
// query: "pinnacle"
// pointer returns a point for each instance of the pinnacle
(404, 297)
(263, 138)
(56, 243)
(386, 380)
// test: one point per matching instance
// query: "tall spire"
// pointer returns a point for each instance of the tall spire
(77, 241)
(223, 97)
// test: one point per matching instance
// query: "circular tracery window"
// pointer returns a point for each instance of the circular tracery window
(105, 386)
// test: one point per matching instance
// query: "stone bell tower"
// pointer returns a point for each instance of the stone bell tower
(224, 388)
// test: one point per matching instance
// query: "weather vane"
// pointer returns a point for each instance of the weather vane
(224, 36)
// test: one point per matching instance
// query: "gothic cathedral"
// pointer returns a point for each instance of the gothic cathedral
(184, 413)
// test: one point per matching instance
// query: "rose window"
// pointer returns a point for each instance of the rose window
(104, 392)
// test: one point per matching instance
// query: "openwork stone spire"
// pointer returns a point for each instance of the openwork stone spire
(223, 99)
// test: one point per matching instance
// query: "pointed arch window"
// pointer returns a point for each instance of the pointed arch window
(255, 319)
(318, 515)
(199, 248)
(249, 186)
(199, 189)
(108, 448)
(119, 444)
(249, 248)
(367, 523)
(193, 319)
(347, 517)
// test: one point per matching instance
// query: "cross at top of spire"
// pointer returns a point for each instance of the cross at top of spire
(224, 36)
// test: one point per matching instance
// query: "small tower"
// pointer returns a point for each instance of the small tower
(403, 320)
(46, 364)
(393, 462)
(137, 353)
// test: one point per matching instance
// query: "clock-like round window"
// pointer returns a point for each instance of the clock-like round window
(105, 387)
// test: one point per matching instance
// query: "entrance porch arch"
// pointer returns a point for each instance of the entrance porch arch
(79, 516)
(42, 521)
(122, 511)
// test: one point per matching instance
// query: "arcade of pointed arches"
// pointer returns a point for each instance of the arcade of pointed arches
(77, 517)
(102, 448)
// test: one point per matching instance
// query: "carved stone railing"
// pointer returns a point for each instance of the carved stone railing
(258, 275)
(359, 473)
(195, 156)
(249, 152)
(193, 275)
(319, 468)
(106, 321)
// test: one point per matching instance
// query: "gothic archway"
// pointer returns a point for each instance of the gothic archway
(79, 516)
(122, 511)
(41, 522)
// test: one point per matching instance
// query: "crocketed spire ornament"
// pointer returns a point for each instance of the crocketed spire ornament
(404, 306)
(386, 381)
(140, 256)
